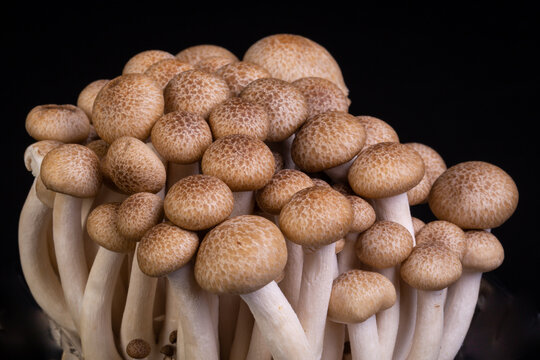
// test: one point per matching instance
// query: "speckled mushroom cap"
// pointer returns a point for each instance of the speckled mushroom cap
(278, 159)
(71, 169)
(65, 123)
(474, 195)
(181, 137)
(316, 216)
(320, 182)
(163, 71)
(213, 63)
(242, 162)
(290, 57)
(484, 251)
(417, 225)
(86, 98)
(340, 245)
(195, 91)
(327, 140)
(45, 195)
(239, 116)
(377, 131)
(358, 294)
(140, 62)
(434, 167)
(166, 248)
(285, 104)
(34, 154)
(239, 74)
(322, 95)
(384, 244)
(138, 349)
(445, 233)
(240, 255)
(343, 188)
(196, 53)
(198, 202)
(100, 147)
(138, 213)
(134, 167)
(283, 185)
(128, 105)
(431, 266)
(363, 214)
(384, 170)
(101, 227)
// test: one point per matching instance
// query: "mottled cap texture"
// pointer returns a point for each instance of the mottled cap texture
(140, 62)
(322, 95)
(240, 255)
(384, 170)
(101, 226)
(316, 216)
(163, 71)
(72, 169)
(181, 137)
(445, 233)
(290, 57)
(320, 182)
(213, 63)
(363, 214)
(242, 162)
(434, 167)
(357, 295)
(196, 53)
(138, 213)
(417, 225)
(484, 251)
(285, 104)
(377, 130)
(240, 74)
(474, 195)
(198, 202)
(65, 123)
(138, 349)
(100, 147)
(128, 105)
(278, 159)
(327, 140)
(283, 185)
(340, 245)
(431, 266)
(34, 154)
(384, 244)
(166, 248)
(86, 98)
(343, 188)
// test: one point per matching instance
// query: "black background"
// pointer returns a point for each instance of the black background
(461, 79)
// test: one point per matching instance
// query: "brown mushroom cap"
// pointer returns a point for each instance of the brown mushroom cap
(34, 154)
(474, 195)
(65, 123)
(417, 224)
(138, 349)
(213, 63)
(138, 213)
(278, 159)
(166, 248)
(285, 104)
(445, 233)
(343, 188)
(102, 228)
(384, 170)
(100, 147)
(128, 105)
(44, 195)
(484, 251)
(86, 98)
(322, 95)
(239, 74)
(240, 255)
(434, 167)
(316, 216)
(320, 182)
(140, 62)
(72, 169)
(327, 140)
(242, 162)
(340, 245)
(377, 131)
(363, 214)
(358, 294)
(198, 202)
(196, 53)
(163, 71)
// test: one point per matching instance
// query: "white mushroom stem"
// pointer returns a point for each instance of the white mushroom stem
(334, 335)
(97, 337)
(171, 322)
(458, 312)
(388, 320)
(279, 324)
(179, 171)
(339, 173)
(244, 203)
(347, 259)
(364, 339)
(396, 209)
(258, 350)
(407, 319)
(243, 333)
(429, 325)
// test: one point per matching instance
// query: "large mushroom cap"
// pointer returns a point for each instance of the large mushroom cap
(445, 233)
(163, 71)
(65, 123)
(213, 63)
(240, 255)
(102, 228)
(377, 130)
(484, 251)
(196, 53)
(138, 213)
(434, 167)
(474, 195)
(140, 62)
(322, 95)
(363, 214)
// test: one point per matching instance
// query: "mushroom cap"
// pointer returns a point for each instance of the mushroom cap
(474, 195)
(34, 154)
(484, 251)
(134, 167)
(417, 225)
(138, 349)
(213, 63)
(196, 53)
(446, 233)
(44, 195)
(163, 71)
(140, 62)
(198, 202)
(385, 169)
(384, 244)
(128, 105)
(290, 57)
(86, 98)
(377, 131)
(166, 248)
(419, 193)
(138, 213)
(358, 294)
(431, 266)
(316, 216)
(99, 146)
(283, 185)
(340, 245)
(278, 159)
(320, 182)
(322, 95)
(363, 214)
(239, 74)
(240, 255)
(239, 116)
(72, 169)
(327, 140)
(181, 137)
(242, 162)
(65, 123)
(101, 226)
(434, 167)
(285, 104)
(343, 188)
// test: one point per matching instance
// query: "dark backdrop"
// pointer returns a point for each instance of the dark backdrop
(461, 79)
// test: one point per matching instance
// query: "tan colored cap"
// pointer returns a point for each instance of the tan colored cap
(446, 233)
(320, 182)
(343, 188)
(163, 71)
(86, 98)
(377, 131)
(100, 147)
(45, 195)
(340, 245)
(138, 213)
(196, 53)
(65, 123)
(138, 349)
(198, 202)
(474, 195)
(358, 294)
(363, 214)
(239, 74)
(278, 159)
(213, 63)
(140, 62)
(240, 255)
(417, 224)
(34, 154)
(434, 167)
(322, 95)
(102, 228)
(484, 251)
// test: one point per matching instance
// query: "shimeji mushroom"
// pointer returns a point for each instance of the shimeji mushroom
(140, 62)
(65, 123)
(86, 98)
(164, 70)
(196, 53)
(138, 349)
(239, 74)
(377, 131)
(213, 63)
(322, 95)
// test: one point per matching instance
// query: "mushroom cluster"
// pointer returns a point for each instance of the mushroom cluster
(199, 206)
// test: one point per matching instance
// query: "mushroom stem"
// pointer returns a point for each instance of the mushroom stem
(244, 202)
(347, 259)
(258, 350)
(171, 322)
(396, 209)
(334, 341)
(388, 320)
(241, 346)
(407, 319)
(364, 339)
(338, 174)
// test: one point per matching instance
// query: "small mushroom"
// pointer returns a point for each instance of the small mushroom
(196, 53)
(140, 62)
